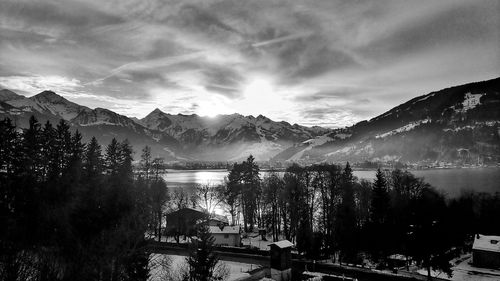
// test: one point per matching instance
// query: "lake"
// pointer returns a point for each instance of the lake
(450, 181)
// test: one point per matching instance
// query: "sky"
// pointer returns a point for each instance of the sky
(327, 63)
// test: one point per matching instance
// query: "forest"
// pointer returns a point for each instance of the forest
(71, 210)
(328, 213)
(67, 210)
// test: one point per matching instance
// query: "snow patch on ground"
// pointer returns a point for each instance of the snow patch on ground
(317, 141)
(424, 98)
(464, 271)
(408, 127)
(342, 136)
(264, 150)
(100, 122)
(346, 149)
(236, 269)
(471, 101)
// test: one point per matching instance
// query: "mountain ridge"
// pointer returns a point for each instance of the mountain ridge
(403, 133)
(453, 125)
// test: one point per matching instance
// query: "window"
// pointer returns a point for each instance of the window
(226, 236)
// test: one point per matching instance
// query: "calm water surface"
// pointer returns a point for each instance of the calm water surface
(450, 181)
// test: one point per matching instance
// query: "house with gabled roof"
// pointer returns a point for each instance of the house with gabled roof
(486, 251)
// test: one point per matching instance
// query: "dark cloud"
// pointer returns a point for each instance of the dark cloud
(459, 25)
(55, 15)
(223, 80)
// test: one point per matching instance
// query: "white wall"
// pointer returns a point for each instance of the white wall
(232, 240)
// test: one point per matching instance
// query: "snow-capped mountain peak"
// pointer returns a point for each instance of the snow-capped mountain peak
(58, 105)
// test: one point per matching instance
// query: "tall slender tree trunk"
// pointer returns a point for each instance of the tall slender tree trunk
(159, 225)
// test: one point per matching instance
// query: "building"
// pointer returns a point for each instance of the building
(183, 222)
(486, 251)
(218, 220)
(281, 260)
(226, 235)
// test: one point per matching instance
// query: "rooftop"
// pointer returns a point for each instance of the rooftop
(489, 243)
(282, 244)
(225, 230)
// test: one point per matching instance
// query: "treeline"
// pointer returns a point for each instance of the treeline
(327, 212)
(68, 210)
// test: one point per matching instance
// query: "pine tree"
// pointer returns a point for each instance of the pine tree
(48, 149)
(93, 162)
(250, 192)
(202, 259)
(125, 152)
(63, 144)
(8, 146)
(112, 158)
(346, 218)
(31, 147)
(379, 209)
(232, 191)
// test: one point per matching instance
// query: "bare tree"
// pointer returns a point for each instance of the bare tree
(209, 196)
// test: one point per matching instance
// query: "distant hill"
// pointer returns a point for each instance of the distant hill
(457, 124)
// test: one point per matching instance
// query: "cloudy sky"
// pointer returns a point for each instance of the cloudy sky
(329, 63)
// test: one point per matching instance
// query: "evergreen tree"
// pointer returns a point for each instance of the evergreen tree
(93, 162)
(346, 218)
(8, 146)
(48, 149)
(125, 153)
(112, 158)
(202, 259)
(31, 149)
(250, 192)
(379, 209)
(232, 192)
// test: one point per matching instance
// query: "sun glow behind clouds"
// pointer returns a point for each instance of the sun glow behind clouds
(260, 95)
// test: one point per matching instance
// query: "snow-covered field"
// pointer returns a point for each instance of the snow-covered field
(163, 266)
(255, 240)
(464, 271)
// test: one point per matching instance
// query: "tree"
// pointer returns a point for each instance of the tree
(271, 188)
(209, 196)
(151, 172)
(146, 163)
(93, 162)
(112, 157)
(159, 197)
(232, 191)
(202, 259)
(379, 209)
(158, 168)
(346, 218)
(32, 147)
(429, 243)
(58, 224)
(250, 192)
(8, 146)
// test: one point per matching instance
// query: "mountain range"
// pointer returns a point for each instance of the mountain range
(457, 124)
